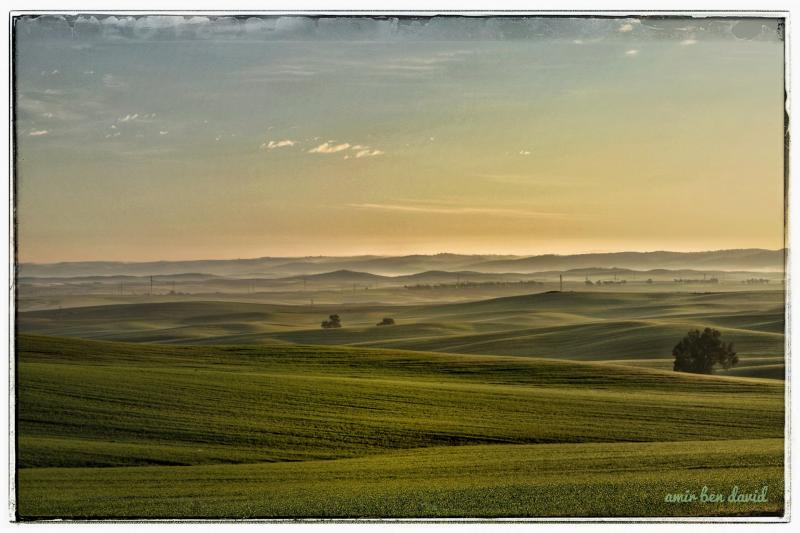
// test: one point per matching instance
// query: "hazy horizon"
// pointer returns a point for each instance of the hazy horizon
(173, 138)
(345, 256)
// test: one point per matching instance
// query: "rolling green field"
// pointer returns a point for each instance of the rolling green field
(626, 327)
(109, 429)
(481, 481)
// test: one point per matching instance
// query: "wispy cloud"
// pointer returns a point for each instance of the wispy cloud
(628, 25)
(163, 132)
(367, 153)
(38, 133)
(112, 82)
(388, 67)
(407, 67)
(271, 145)
(524, 152)
(130, 117)
(456, 210)
(631, 53)
(329, 148)
(414, 67)
(281, 72)
(688, 42)
(82, 31)
(354, 151)
(52, 107)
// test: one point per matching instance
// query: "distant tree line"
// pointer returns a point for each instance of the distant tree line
(472, 284)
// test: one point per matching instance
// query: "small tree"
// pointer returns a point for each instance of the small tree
(332, 322)
(386, 322)
(700, 352)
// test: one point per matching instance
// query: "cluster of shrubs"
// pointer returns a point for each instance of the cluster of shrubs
(473, 284)
(335, 322)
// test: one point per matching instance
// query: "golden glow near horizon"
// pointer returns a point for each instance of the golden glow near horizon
(172, 138)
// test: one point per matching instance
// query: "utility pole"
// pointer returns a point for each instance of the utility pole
(151, 285)
(560, 283)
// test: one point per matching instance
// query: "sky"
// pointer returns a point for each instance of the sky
(187, 137)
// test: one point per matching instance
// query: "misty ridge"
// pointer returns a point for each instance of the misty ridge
(364, 266)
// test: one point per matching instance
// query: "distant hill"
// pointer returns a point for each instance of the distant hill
(443, 276)
(349, 276)
(428, 276)
(282, 267)
(188, 276)
(750, 259)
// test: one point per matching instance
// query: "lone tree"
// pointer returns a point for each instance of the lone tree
(386, 322)
(699, 352)
(332, 322)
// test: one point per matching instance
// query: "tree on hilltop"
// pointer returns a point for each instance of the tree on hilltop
(332, 322)
(698, 353)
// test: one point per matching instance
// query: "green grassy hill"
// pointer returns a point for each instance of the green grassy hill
(342, 431)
